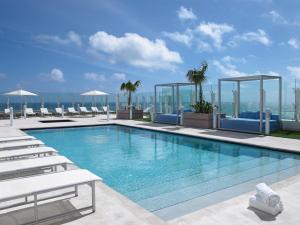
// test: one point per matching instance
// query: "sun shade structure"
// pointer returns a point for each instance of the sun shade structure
(252, 122)
(95, 93)
(21, 93)
(168, 102)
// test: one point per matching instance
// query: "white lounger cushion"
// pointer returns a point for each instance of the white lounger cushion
(47, 182)
(16, 138)
(29, 111)
(26, 152)
(58, 110)
(9, 167)
(20, 144)
(83, 109)
(45, 111)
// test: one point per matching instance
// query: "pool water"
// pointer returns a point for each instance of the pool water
(169, 174)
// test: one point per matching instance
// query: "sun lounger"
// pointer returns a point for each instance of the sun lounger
(16, 138)
(105, 109)
(20, 144)
(26, 152)
(29, 112)
(21, 167)
(95, 110)
(59, 111)
(72, 111)
(45, 112)
(33, 189)
(84, 110)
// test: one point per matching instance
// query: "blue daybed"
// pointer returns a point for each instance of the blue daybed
(249, 122)
(170, 118)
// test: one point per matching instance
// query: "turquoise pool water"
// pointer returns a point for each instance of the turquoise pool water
(162, 171)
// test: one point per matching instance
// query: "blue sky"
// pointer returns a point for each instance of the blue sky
(73, 46)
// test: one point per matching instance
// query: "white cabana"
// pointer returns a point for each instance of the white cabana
(95, 93)
(21, 93)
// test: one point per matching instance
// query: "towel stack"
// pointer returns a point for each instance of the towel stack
(266, 200)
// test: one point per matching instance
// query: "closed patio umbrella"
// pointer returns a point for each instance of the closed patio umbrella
(21, 93)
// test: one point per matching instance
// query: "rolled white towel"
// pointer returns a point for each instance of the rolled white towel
(255, 201)
(268, 196)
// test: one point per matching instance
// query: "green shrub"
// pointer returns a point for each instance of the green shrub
(203, 107)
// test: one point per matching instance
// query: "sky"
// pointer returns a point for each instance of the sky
(75, 46)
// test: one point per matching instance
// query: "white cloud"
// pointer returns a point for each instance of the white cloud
(230, 59)
(119, 76)
(3, 76)
(279, 19)
(215, 31)
(228, 69)
(135, 50)
(55, 75)
(184, 38)
(295, 71)
(186, 14)
(260, 36)
(294, 42)
(95, 77)
(203, 46)
(71, 38)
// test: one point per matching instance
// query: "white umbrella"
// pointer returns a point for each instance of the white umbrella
(21, 93)
(94, 93)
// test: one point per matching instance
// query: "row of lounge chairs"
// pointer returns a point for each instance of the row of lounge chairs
(59, 111)
(29, 170)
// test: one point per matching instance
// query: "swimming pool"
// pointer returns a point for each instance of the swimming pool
(167, 174)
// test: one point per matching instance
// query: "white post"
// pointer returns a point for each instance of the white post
(213, 98)
(268, 117)
(117, 102)
(152, 114)
(181, 115)
(11, 116)
(130, 112)
(107, 113)
(264, 100)
(215, 117)
(235, 103)
(62, 111)
(166, 104)
(24, 111)
(297, 104)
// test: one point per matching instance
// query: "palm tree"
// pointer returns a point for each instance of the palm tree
(198, 78)
(129, 88)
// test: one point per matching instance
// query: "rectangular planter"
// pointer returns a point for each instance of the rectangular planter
(125, 114)
(198, 120)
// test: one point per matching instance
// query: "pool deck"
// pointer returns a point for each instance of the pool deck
(113, 208)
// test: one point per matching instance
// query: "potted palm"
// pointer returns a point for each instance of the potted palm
(129, 88)
(202, 116)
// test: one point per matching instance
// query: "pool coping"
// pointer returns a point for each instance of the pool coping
(30, 125)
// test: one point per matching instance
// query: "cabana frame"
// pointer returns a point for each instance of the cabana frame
(175, 95)
(261, 79)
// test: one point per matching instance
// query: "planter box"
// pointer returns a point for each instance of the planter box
(125, 115)
(198, 120)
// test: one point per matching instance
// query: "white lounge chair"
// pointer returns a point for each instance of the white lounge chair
(16, 138)
(72, 111)
(29, 112)
(20, 144)
(59, 111)
(45, 112)
(84, 110)
(105, 109)
(6, 112)
(22, 166)
(26, 152)
(34, 188)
